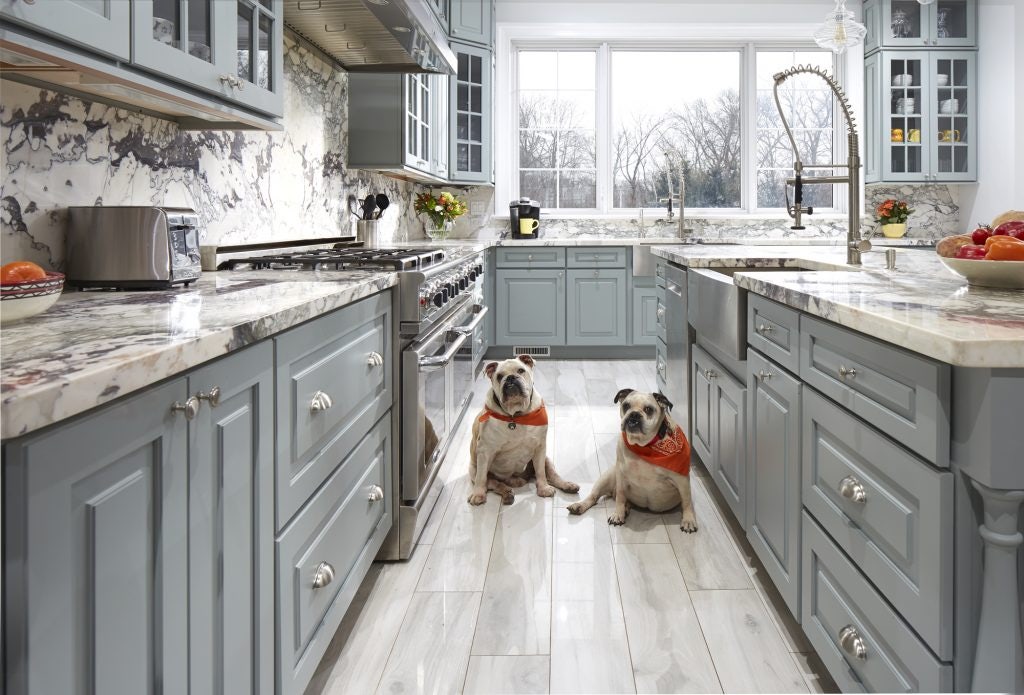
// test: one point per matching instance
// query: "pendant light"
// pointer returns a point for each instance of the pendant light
(840, 30)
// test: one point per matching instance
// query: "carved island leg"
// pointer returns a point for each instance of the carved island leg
(999, 650)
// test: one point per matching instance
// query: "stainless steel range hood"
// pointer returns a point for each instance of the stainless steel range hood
(374, 35)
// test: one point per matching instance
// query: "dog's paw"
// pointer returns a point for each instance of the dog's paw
(575, 508)
(508, 497)
(545, 491)
(617, 519)
(477, 498)
(688, 526)
(571, 488)
(516, 482)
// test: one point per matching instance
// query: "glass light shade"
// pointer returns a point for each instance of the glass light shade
(840, 30)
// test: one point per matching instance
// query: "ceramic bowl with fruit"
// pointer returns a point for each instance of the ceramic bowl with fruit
(27, 290)
(991, 256)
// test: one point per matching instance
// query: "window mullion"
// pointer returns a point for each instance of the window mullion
(748, 120)
(603, 128)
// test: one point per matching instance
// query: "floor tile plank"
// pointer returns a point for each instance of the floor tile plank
(507, 675)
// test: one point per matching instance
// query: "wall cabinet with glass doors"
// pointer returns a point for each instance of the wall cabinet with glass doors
(471, 117)
(909, 24)
(922, 116)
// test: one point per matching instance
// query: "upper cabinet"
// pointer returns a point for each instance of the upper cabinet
(472, 20)
(909, 24)
(440, 8)
(98, 25)
(471, 94)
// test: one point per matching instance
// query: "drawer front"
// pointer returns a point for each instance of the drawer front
(330, 389)
(342, 526)
(901, 530)
(904, 395)
(532, 257)
(662, 321)
(660, 364)
(837, 597)
(774, 330)
(596, 257)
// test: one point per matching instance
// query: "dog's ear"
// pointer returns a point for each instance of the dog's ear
(622, 394)
(489, 369)
(527, 360)
(665, 403)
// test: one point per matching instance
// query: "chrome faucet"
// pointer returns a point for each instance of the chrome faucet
(854, 244)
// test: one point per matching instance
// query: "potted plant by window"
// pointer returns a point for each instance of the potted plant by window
(441, 212)
(892, 215)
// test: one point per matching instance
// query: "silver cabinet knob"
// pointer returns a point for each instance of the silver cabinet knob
(764, 375)
(529, 256)
(189, 407)
(661, 367)
(853, 490)
(376, 493)
(710, 374)
(324, 575)
(597, 273)
(845, 371)
(374, 360)
(765, 328)
(852, 643)
(661, 312)
(321, 401)
(212, 396)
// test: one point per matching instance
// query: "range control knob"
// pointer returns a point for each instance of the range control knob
(463, 283)
(479, 269)
(439, 299)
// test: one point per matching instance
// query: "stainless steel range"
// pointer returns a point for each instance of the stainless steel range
(440, 342)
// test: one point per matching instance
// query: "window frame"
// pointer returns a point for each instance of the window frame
(514, 37)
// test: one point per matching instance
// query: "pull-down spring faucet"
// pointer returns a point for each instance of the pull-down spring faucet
(854, 244)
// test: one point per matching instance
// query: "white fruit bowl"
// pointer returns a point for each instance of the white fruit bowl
(1005, 274)
(23, 299)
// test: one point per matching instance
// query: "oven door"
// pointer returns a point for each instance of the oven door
(427, 412)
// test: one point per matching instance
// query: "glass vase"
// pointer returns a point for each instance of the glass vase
(438, 231)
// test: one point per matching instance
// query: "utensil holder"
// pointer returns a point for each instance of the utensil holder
(367, 231)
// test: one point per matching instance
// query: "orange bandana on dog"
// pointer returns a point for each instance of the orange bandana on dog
(671, 452)
(537, 417)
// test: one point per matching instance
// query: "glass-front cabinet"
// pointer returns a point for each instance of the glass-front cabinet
(922, 110)
(418, 121)
(909, 24)
(99, 25)
(231, 48)
(471, 115)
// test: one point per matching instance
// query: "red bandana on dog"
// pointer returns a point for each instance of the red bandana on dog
(537, 417)
(671, 452)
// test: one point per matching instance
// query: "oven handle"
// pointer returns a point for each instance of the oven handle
(470, 327)
(429, 364)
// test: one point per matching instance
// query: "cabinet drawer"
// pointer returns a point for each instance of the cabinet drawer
(904, 395)
(902, 531)
(662, 324)
(532, 257)
(596, 257)
(342, 526)
(330, 389)
(837, 597)
(660, 364)
(774, 330)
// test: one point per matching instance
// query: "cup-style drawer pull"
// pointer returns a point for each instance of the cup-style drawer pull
(852, 643)
(190, 407)
(212, 396)
(661, 367)
(321, 401)
(661, 312)
(845, 371)
(376, 493)
(324, 575)
(374, 360)
(764, 375)
(765, 328)
(853, 490)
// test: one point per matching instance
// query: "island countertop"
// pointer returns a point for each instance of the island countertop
(94, 347)
(920, 306)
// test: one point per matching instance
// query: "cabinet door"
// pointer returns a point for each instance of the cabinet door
(904, 126)
(728, 443)
(953, 115)
(874, 98)
(645, 315)
(97, 571)
(953, 23)
(530, 307)
(418, 119)
(773, 474)
(231, 526)
(439, 87)
(705, 371)
(596, 307)
(103, 26)
(470, 98)
(470, 20)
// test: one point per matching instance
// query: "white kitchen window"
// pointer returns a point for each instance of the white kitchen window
(609, 129)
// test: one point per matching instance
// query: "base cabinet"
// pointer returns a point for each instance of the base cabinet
(530, 307)
(596, 307)
(645, 314)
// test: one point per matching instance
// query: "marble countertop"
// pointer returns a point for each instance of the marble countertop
(93, 347)
(920, 306)
(633, 240)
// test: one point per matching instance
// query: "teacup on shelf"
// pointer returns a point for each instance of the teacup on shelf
(941, 80)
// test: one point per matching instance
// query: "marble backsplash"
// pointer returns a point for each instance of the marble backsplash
(58, 150)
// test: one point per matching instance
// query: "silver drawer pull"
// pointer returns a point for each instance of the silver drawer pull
(852, 643)
(853, 490)
(376, 493)
(845, 371)
(324, 575)
(764, 375)
(709, 374)
(765, 328)
(321, 401)
(374, 360)
(212, 396)
(189, 407)
(661, 367)
(661, 313)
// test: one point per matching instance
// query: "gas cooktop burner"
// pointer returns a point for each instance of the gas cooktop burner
(340, 259)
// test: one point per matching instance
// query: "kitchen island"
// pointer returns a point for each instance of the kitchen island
(864, 435)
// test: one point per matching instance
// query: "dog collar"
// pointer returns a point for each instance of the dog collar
(536, 418)
(671, 452)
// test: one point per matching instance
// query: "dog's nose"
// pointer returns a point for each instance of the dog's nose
(634, 420)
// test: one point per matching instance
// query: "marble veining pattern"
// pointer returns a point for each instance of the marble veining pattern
(94, 347)
(920, 306)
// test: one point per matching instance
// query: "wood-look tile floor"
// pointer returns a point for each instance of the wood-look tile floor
(527, 599)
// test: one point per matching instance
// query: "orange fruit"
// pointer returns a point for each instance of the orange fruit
(20, 271)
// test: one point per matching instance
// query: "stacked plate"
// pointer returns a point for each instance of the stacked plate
(905, 105)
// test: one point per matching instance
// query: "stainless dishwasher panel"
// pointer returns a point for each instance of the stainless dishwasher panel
(677, 345)
(718, 310)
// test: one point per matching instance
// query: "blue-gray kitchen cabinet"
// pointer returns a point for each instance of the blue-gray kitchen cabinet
(645, 314)
(530, 306)
(96, 552)
(470, 94)
(596, 307)
(705, 371)
(103, 26)
(773, 474)
(471, 20)
(909, 24)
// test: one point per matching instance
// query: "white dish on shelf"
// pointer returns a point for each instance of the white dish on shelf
(1004, 274)
(905, 80)
(942, 80)
(163, 30)
(949, 106)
